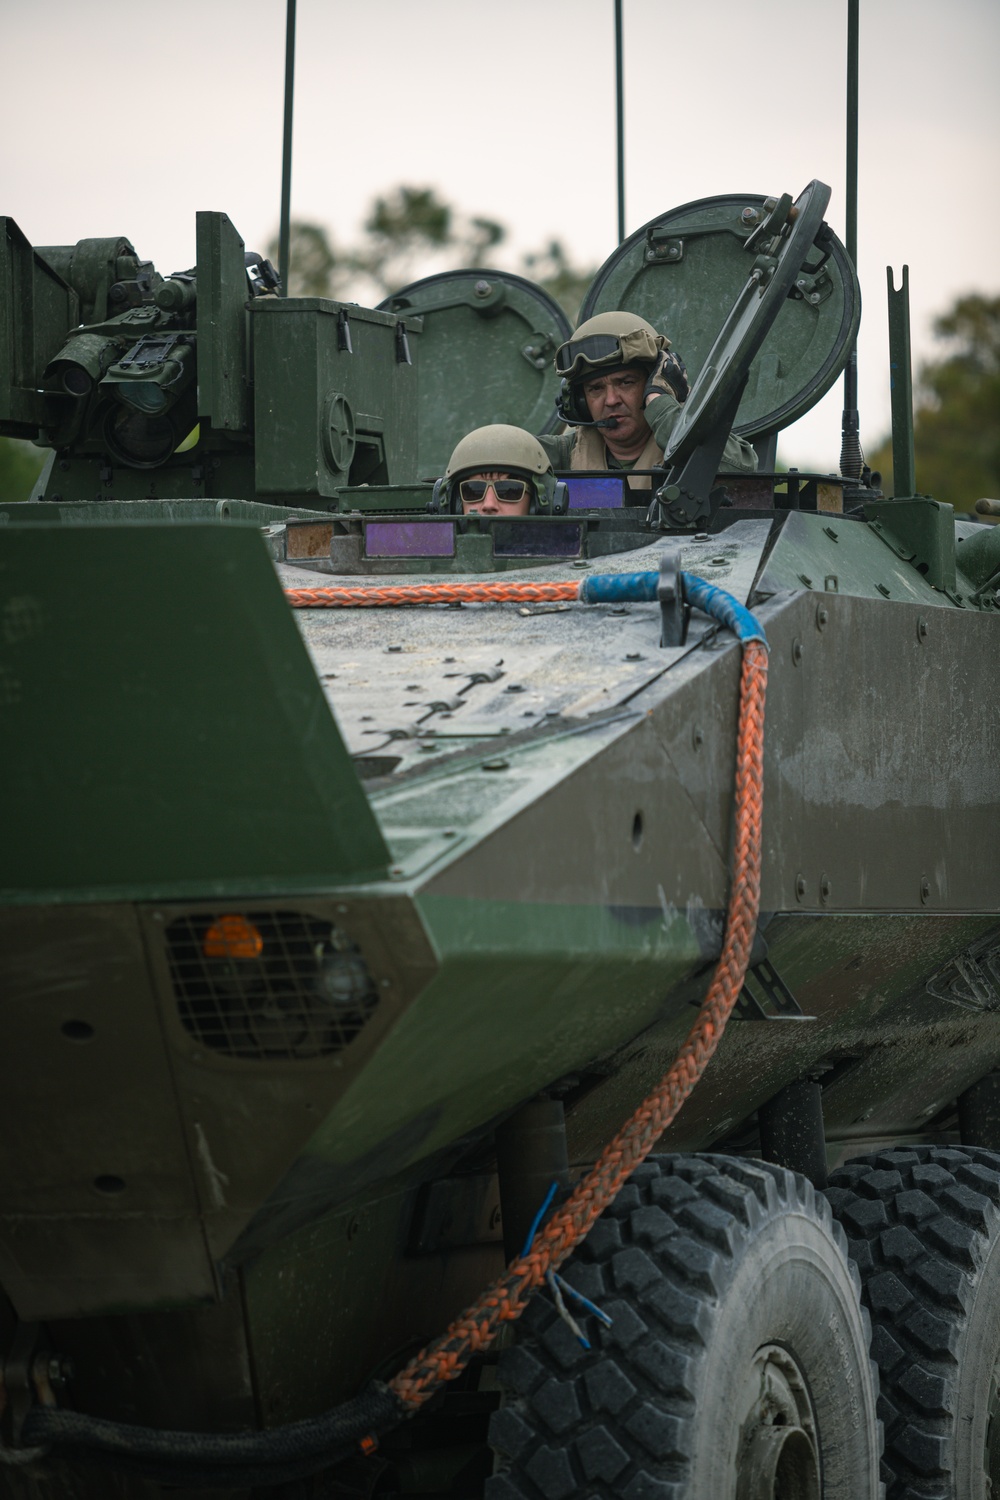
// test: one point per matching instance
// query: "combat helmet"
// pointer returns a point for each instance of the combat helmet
(501, 446)
(602, 344)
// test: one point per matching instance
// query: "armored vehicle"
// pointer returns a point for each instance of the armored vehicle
(462, 1038)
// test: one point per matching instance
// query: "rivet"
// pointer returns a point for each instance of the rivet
(825, 888)
(797, 651)
(697, 736)
(633, 656)
(800, 887)
(925, 890)
(495, 765)
(923, 629)
(822, 617)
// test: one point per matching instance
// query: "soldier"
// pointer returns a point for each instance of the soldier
(622, 390)
(498, 471)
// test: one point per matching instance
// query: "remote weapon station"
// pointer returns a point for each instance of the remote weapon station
(494, 1006)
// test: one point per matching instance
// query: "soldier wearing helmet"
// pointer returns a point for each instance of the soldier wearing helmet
(622, 390)
(499, 471)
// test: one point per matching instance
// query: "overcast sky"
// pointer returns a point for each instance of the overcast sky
(128, 119)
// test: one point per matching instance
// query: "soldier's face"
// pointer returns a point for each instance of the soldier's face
(618, 395)
(486, 502)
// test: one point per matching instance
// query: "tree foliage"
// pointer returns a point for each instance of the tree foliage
(956, 416)
(20, 465)
(410, 232)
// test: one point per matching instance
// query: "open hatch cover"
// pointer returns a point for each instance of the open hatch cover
(683, 271)
(486, 355)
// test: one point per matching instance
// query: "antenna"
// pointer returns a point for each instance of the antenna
(286, 149)
(850, 441)
(620, 93)
(901, 386)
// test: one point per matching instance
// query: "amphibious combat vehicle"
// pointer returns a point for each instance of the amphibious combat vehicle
(332, 940)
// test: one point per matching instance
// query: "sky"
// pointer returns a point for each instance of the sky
(127, 120)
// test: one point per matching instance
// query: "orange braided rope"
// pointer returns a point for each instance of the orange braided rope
(503, 1301)
(498, 592)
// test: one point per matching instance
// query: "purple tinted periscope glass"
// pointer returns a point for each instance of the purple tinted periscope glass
(537, 538)
(594, 493)
(410, 539)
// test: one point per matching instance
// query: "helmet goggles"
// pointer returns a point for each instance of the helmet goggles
(597, 352)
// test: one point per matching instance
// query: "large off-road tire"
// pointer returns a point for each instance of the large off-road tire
(923, 1224)
(736, 1366)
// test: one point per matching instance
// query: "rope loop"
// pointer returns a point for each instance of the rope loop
(475, 1329)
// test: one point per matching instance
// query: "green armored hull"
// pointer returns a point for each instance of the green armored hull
(304, 913)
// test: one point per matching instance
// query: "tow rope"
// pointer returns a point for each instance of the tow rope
(506, 1298)
(303, 1447)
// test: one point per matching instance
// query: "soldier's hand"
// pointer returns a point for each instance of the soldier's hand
(668, 377)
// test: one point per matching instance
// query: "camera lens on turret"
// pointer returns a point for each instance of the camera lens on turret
(76, 381)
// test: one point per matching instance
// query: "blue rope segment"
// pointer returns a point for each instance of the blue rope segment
(538, 1218)
(585, 1302)
(619, 588)
(640, 588)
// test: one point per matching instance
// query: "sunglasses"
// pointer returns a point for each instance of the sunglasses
(507, 491)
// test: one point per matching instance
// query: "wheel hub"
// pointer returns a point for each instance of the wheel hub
(777, 1457)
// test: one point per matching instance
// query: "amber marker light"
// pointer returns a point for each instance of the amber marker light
(232, 937)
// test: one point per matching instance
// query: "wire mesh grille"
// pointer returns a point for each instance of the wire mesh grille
(268, 986)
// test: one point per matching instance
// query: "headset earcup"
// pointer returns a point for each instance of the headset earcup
(439, 497)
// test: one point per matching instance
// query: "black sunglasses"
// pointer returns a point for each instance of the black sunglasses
(507, 491)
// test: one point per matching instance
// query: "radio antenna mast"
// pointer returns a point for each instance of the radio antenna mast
(286, 149)
(620, 98)
(850, 440)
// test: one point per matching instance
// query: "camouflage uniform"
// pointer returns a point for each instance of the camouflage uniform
(578, 447)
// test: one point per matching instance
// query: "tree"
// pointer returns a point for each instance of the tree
(552, 269)
(410, 232)
(956, 417)
(20, 465)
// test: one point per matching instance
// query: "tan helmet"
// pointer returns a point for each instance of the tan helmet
(501, 446)
(606, 342)
(498, 446)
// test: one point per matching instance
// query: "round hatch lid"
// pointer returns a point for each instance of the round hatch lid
(486, 355)
(683, 271)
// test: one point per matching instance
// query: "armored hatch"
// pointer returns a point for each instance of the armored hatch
(682, 272)
(489, 338)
